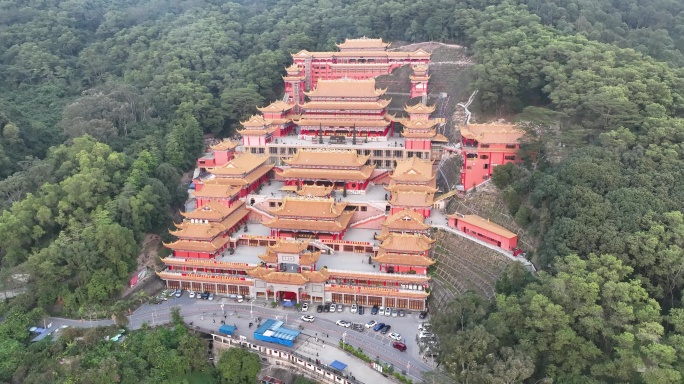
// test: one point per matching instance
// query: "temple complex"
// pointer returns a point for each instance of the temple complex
(326, 195)
(483, 147)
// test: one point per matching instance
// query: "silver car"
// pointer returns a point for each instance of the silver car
(340, 307)
(395, 313)
(388, 311)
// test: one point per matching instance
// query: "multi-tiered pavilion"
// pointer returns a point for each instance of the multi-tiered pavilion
(339, 169)
(413, 186)
(315, 218)
(346, 107)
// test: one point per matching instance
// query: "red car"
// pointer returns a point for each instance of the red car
(399, 346)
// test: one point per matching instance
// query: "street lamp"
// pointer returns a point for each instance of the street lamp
(408, 368)
(344, 335)
(251, 305)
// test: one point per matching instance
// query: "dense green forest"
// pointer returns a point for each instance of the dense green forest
(103, 105)
(171, 354)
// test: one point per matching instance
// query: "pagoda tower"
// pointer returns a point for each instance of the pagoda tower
(419, 80)
(298, 217)
(339, 169)
(294, 84)
(402, 253)
(413, 186)
(346, 107)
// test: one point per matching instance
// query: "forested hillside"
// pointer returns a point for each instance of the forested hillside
(103, 105)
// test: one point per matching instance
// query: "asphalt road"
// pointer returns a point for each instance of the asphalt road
(208, 314)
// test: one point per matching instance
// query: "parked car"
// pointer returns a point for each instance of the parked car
(191, 294)
(333, 307)
(388, 311)
(308, 318)
(402, 313)
(381, 311)
(385, 329)
(399, 346)
(371, 324)
(343, 323)
(305, 307)
(319, 308)
(205, 295)
(374, 310)
(426, 335)
(340, 307)
(179, 293)
(361, 310)
(326, 308)
(395, 336)
(240, 298)
(379, 326)
(354, 308)
(211, 296)
(357, 327)
(395, 312)
(422, 315)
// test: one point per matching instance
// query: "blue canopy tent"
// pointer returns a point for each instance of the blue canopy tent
(227, 329)
(272, 331)
(288, 303)
(338, 365)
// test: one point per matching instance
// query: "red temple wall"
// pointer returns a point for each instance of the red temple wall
(418, 144)
(404, 269)
(485, 235)
(478, 170)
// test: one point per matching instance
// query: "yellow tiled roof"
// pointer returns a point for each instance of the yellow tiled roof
(412, 198)
(337, 224)
(217, 188)
(406, 242)
(271, 276)
(224, 145)
(492, 133)
(346, 105)
(346, 88)
(384, 257)
(419, 108)
(406, 220)
(307, 207)
(314, 190)
(484, 224)
(290, 246)
(328, 174)
(198, 246)
(348, 123)
(413, 169)
(424, 124)
(205, 263)
(363, 43)
(327, 158)
(240, 165)
(317, 276)
(276, 106)
(212, 211)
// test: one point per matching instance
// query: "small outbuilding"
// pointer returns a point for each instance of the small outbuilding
(485, 230)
